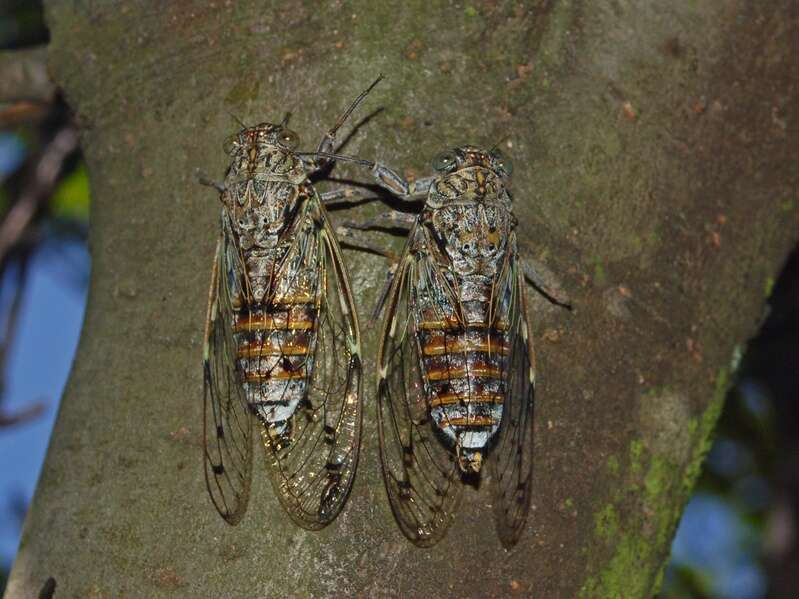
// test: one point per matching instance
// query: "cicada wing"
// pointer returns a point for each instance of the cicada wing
(227, 418)
(513, 453)
(314, 472)
(421, 474)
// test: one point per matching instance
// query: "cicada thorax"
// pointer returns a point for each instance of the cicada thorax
(277, 304)
(461, 327)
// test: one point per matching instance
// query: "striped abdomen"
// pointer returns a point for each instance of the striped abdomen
(464, 370)
(275, 342)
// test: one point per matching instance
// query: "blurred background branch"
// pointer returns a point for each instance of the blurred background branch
(37, 189)
(24, 76)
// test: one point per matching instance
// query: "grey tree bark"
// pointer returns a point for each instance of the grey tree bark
(655, 147)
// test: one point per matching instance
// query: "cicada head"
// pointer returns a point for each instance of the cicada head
(465, 157)
(267, 150)
(469, 174)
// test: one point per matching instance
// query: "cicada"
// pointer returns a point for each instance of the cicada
(282, 355)
(456, 375)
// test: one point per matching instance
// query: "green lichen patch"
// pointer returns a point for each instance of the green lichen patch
(769, 287)
(471, 11)
(703, 435)
(636, 450)
(606, 523)
(651, 476)
(243, 92)
(632, 544)
(600, 277)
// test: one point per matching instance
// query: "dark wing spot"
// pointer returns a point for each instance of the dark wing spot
(404, 489)
(329, 499)
(407, 456)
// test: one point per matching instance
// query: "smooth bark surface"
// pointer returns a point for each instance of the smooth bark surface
(655, 150)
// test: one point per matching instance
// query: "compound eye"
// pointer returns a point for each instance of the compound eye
(289, 139)
(230, 144)
(445, 162)
(505, 163)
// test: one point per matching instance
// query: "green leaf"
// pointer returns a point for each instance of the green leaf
(70, 200)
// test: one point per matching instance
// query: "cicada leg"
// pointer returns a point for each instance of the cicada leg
(387, 178)
(398, 185)
(203, 180)
(392, 219)
(351, 234)
(353, 237)
(553, 293)
(347, 194)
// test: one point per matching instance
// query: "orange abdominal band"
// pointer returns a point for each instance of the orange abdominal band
(445, 374)
(456, 398)
(269, 323)
(456, 347)
(469, 421)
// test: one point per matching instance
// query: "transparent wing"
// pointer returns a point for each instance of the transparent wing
(512, 460)
(313, 473)
(228, 421)
(421, 475)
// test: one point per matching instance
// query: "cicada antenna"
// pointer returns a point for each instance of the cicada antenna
(339, 158)
(285, 121)
(343, 118)
(238, 120)
(501, 140)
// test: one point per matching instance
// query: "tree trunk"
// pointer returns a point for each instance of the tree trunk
(655, 150)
